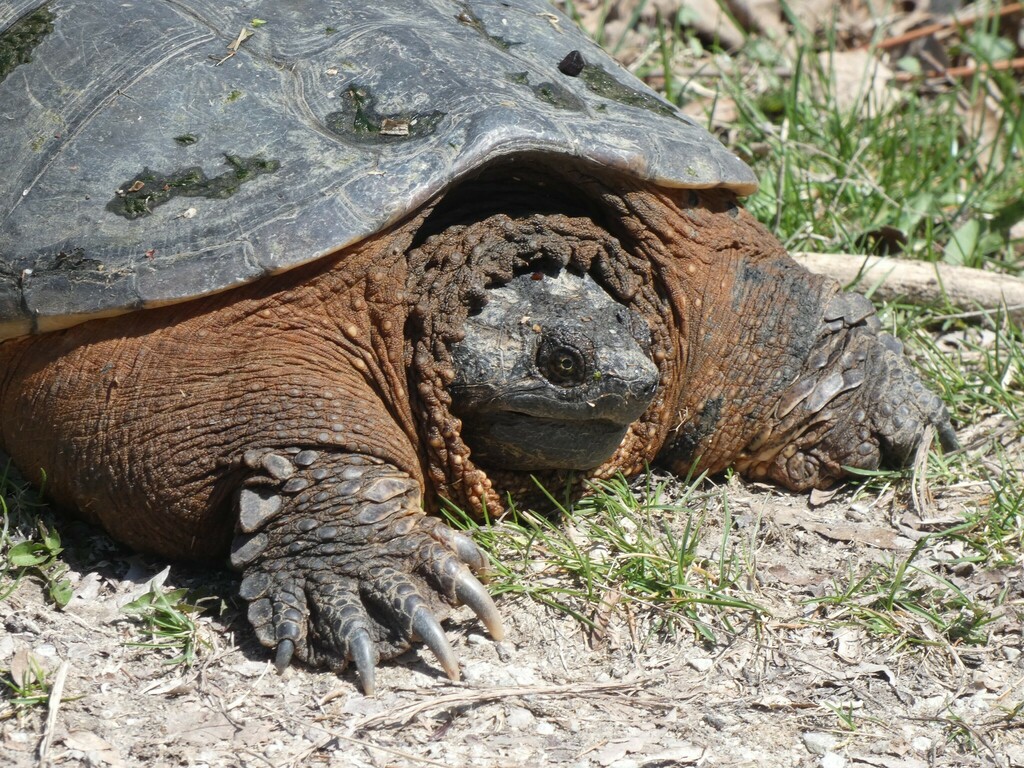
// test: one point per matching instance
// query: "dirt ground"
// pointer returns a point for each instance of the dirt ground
(786, 692)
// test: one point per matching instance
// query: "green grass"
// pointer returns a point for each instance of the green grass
(22, 692)
(905, 604)
(166, 620)
(832, 174)
(618, 549)
(29, 547)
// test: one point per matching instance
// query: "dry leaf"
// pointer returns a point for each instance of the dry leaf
(883, 538)
(857, 81)
(244, 35)
(712, 23)
(981, 120)
(819, 497)
(849, 644)
(24, 664)
(617, 750)
(721, 110)
(95, 748)
(764, 16)
(796, 578)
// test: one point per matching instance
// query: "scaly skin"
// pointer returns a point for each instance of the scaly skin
(307, 414)
(280, 410)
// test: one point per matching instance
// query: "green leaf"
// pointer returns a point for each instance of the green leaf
(27, 554)
(909, 64)
(991, 47)
(61, 592)
(51, 540)
(963, 244)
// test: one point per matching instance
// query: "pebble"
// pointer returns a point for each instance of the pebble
(832, 760)
(46, 650)
(921, 744)
(701, 665)
(818, 743)
(719, 721)
(519, 718)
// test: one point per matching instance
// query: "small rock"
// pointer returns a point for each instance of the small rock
(818, 743)
(250, 668)
(718, 721)
(519, 718)
(832, 760)
(921, 744)
(1010, 653)
(46, 650)
(701, 665)
(6, 647)
(544, 728)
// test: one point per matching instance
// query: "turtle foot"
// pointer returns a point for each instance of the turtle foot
(857, 404)
(342, 566)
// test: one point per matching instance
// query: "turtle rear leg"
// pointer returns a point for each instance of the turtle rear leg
(857, 403)
(341, 564)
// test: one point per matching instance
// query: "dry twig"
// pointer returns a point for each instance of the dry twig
(918, 282)
(964, 19)
(401, 715)
(56, 692)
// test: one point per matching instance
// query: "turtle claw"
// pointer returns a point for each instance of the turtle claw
(471, 592)
(429, 630)
(283, 657)
(356, 577)
(364, 655)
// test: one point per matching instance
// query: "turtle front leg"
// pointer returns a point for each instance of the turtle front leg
(856, 403)
(341, 564)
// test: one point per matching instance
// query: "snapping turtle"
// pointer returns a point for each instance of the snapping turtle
(276, 294)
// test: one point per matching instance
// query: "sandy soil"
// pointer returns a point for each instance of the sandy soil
(766, 696)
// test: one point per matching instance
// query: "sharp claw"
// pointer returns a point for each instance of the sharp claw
(365, 657)
(468, 552)
(427, 627)
(947, 437)
(285, 650)
(465, 548)
(472, 593)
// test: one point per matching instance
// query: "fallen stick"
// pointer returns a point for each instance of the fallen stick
(918, 282)
(957, 21)
(965, 71)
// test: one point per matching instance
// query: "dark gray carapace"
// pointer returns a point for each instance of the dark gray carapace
(332, 121)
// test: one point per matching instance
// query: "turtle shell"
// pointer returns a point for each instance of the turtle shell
(154, 152)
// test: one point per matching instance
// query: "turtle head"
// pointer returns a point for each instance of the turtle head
(550, 373)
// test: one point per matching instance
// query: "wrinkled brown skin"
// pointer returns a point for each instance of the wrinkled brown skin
(140, 422)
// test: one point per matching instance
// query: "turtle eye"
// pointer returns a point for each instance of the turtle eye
(561, 364)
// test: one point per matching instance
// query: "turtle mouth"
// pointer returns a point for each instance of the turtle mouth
(522, 441)
(530, 426)
(613, 409)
